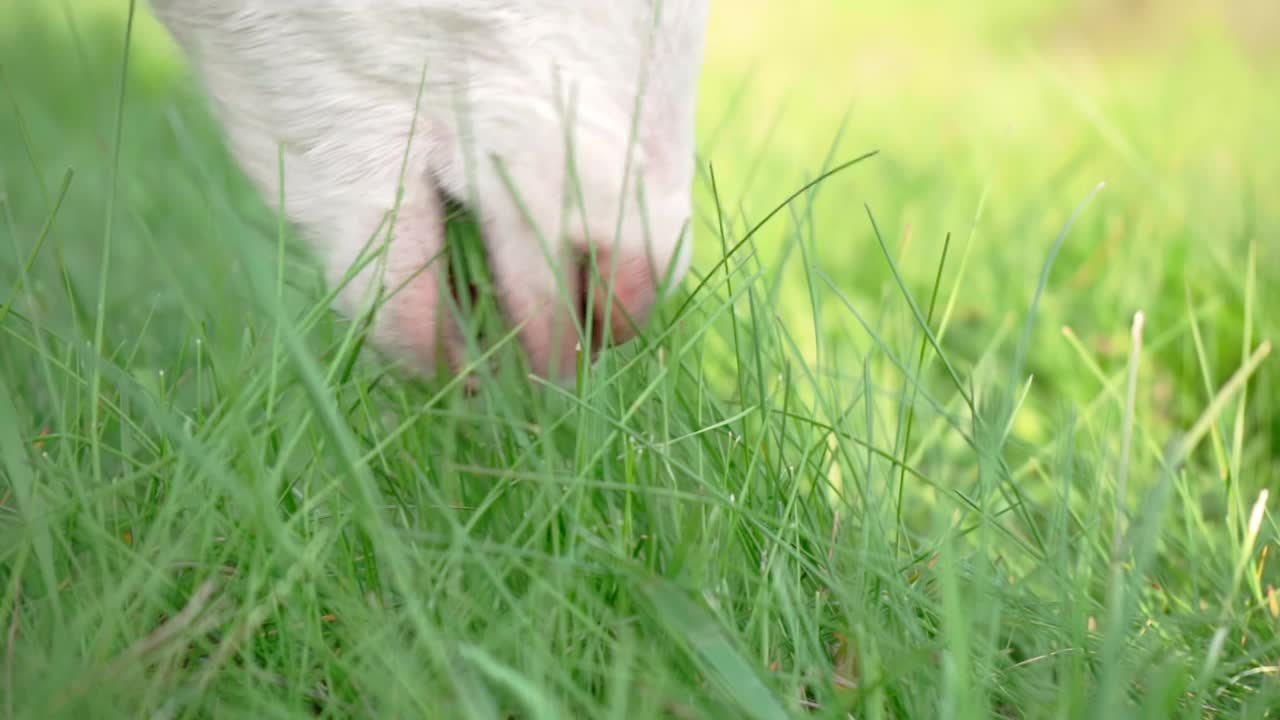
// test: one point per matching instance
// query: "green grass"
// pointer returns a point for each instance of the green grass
(787, 500)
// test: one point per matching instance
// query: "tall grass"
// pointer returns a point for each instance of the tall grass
(949, 431)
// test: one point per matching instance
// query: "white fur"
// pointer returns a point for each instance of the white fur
(335, 84)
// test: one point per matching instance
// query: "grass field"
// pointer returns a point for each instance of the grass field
(787, 500)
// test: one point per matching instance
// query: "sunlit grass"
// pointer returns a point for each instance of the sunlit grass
(788, 500)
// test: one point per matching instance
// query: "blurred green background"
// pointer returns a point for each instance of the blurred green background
(994, 120)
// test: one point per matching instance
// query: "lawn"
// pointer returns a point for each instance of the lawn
(981, 425)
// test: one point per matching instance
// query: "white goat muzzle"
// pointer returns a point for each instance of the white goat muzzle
(565, 126)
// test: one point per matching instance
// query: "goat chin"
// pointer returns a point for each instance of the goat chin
(566, 127)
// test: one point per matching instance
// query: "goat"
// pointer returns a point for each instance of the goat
(565, 126)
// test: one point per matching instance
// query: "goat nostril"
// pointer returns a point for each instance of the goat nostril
(623, 296)
(580, 289)
(591, 299)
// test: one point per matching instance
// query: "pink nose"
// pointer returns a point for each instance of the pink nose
(632, 279)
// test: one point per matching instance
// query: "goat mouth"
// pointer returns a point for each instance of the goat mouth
(476, 299)
(465, 270)
(590, 314)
